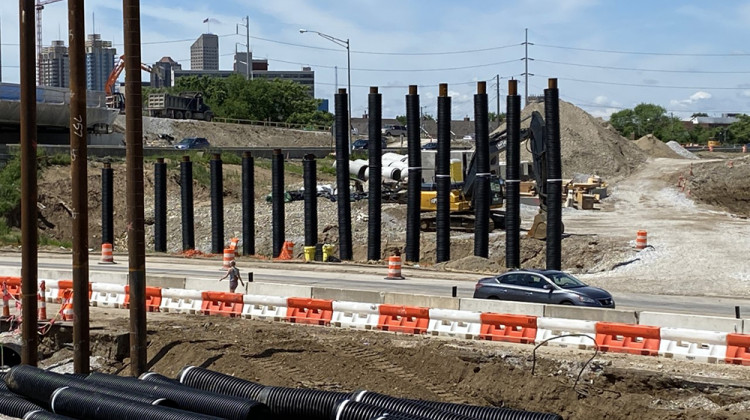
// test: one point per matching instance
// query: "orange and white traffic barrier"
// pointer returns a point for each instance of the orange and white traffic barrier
(287, 251)
(67, 310)
(641, 239)
(394, 268)
(744, 148)
(710, 148)
(233, 243)
(42, 300)
(228, 258)
(107, 257)
(6, 301)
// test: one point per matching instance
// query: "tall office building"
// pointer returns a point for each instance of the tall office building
(204, 53)
(100, 60)
(163, 72)
(55, 65)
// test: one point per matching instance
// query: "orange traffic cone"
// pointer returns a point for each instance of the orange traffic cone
(287, 251)
(67, 310)
(42, 301)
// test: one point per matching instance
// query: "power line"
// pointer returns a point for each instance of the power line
(645, 70)
(644, 85)
(400, 70)
(646, 52)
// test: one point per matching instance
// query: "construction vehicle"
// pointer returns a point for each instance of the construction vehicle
(116, 100)
(186, 105)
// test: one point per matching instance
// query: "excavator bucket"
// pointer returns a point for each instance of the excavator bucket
(539, 227)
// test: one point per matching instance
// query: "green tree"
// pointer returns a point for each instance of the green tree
(492, 116)
(698, 114)
(401, 119)
(648, 119)
(739, 132)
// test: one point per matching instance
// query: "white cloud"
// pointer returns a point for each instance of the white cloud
(745, 93)
(694, 98)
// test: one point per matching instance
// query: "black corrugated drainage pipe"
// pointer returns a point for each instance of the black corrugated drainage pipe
(414, 182)
(160, 205)
(443, 177)
(393, 417)
(15, 406)
(482, 188)
(186, 192)
(374, 187)
(45, 415)
(189, 399)
(11, 354)
(402, 406)
(512, 178)
(108, 236)
(488, 413)
(309, 170)
(208, 380)
(97, 406)
(352, 410)
(554, 176)
(277, 201)
(343, 195)
(299, 403)
(217, 205)
(248, 204)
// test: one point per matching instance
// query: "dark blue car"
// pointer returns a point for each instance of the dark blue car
(542, 286)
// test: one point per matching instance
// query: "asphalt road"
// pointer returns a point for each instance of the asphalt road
(371, 277)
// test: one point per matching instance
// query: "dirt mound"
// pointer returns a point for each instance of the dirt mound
(587, 145)
(677, 147)
(226, 134)
(724, 184)
(656, 148)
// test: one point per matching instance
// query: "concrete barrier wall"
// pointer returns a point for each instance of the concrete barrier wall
(169, 282)
(591, 314)
(691, 322)
(501, 307)
(746, 326)
(348, 295)
(104, 277)
(210, 285)
(428, 301)
(276, 289)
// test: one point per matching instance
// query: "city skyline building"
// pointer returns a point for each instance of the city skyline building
(55, 65)
(100, 60)
(204, 53)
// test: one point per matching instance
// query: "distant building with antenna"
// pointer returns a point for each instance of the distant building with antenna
(100, 60)
(55, 65)
(204, 53)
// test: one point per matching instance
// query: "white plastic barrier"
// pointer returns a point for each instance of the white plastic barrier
(50, 290)
(698, 345)
(358, 315)
(181, 301)
(455, 323)
(107, 295)
(272, 308)
(547, 328)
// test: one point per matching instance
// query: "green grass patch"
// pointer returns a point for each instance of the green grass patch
(45, 240)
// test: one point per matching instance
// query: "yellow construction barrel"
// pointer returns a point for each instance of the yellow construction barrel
(456, 170)
(327, 251)
(309, 253)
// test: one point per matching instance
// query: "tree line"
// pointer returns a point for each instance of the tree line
(260, 99)
(653, 119)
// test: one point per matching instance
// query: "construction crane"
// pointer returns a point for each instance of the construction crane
(116, 99)
(39, 7)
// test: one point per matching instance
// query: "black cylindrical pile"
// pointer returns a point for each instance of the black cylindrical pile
(374, 191)
(414, 189)
(108, 236)
(309, 170)
(248, 204)
(160, 205)
(45, 415)
(217, 205)
(512, 179)
(403, 406)
(353, 410)
(300, 403)
(482, 195)
(97, 406)
(443, 177)
(477, 412)
(186, 193)
(15, 406)
(277, 201)
(343, 195)
(188, 398)
(554, 176)
(208, 380)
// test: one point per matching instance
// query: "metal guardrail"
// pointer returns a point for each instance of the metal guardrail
(273, 124)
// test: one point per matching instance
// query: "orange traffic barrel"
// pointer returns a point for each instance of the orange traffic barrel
(228, 258)
(107, 257)
(394, 268)
(641, 239)
(42, 301)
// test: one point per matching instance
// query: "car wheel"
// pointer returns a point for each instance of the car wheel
(566, 302)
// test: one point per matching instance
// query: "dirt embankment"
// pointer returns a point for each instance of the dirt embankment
(723, 184)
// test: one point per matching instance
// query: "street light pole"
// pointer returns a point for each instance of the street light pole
(342, 43)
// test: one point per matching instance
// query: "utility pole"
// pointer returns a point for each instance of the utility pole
(526, 73)
(248, 57)
(497, 86)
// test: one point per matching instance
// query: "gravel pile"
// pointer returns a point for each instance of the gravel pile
(656, 148)
(677, 148)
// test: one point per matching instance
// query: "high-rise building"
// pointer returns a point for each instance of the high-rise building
(100, 60)
(163, 72)
(204, 53)
(55, 65)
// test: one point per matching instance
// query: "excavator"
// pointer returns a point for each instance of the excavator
(116, 100)
(462, 195)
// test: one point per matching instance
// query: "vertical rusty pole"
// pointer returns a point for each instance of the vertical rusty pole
(134, 160)
(29, 236)
(79, 177)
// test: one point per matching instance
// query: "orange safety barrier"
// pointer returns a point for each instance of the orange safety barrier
(222, 304)
(107, 257)
(287, 251)
(6, 301)
(309, 311)
(507, 327)
(65, 285)
(233, 243)
(68, 314)
(738, 349)
(641, 239)
(628, 338)
(404, 319)
(13, 284)
(153, 298)
(228, 258)
(394, 268)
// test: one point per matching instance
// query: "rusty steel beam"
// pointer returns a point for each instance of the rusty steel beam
(134, 188)
(79, 176)
(29, 234)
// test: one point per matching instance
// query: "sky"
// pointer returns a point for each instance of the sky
(686, 56)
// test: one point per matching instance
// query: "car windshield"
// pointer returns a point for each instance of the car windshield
(566, 281)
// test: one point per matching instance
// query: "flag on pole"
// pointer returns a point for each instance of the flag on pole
(205, 20)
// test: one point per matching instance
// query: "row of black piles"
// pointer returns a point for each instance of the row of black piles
(31, 393)
(442, 177)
